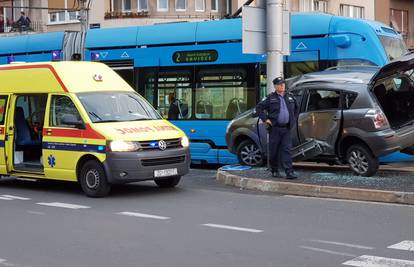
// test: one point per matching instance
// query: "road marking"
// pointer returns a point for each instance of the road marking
(143, 215)
(351, 201)
(16, 197)
(2, 260)
(229, 227)
(404, 245)
(341, 244)
(373, 261)
(63, 205)
(328, 251)
(5, 198)
(36, 212)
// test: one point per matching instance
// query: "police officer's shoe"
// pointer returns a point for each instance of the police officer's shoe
(291, 175)
(276, 174)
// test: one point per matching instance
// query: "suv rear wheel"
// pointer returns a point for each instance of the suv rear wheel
(249, 153)
(361, 160)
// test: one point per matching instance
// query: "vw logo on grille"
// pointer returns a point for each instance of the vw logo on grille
(162, 145)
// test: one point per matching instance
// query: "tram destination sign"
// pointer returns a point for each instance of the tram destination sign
(195, 56)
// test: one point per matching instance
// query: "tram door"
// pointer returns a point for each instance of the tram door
(124, 68)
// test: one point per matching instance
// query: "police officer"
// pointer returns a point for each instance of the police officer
(279, 111)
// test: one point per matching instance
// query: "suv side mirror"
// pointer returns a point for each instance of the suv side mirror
(72, 121)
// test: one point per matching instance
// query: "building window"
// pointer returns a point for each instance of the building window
(180, 5)
(142, 5)
(313, 5)
(352, 11)
(162, 5)
(214, 5)
(63, 16)
(126, 6)
(199, 5)
(321, 6)
(306, 5)
(399, 20)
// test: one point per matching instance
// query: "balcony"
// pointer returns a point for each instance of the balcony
(126, 15)
(160, 15)
(14, 28)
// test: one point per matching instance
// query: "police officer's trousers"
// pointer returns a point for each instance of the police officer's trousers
(280, 149)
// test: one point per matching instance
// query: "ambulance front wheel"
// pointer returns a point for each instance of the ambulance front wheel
(168, 182)
(93, 179)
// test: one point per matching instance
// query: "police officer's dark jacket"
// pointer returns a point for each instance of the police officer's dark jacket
(269, 108)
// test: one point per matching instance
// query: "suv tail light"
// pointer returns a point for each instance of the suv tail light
(378, 118)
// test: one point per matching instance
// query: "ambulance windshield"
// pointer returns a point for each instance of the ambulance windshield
(117, 107)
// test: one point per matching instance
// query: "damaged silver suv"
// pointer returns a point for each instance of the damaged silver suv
(356, 114)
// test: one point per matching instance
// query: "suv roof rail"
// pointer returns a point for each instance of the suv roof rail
(352, 66)
(327, 79)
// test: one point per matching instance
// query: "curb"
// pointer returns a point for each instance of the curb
(310, 190)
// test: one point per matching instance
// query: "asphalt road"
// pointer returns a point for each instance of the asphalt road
(200, 223)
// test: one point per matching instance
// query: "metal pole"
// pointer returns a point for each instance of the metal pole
(274, 41)
(83, 16)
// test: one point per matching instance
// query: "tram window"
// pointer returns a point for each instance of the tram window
(302, 67)
(223, 92)
(175, 93)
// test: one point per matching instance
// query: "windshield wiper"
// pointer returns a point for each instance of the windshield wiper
(108, 121)
(95, 115)
(141, 119)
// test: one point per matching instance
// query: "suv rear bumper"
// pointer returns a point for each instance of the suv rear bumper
(127, 167)
(389, 141)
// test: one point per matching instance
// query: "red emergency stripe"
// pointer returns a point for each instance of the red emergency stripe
(1, 130)
(40, 66)
(87, 133)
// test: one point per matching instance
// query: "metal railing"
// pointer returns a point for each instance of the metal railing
(34, 26)
(148, 14)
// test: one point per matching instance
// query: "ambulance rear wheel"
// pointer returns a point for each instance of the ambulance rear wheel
(168, 182)
(93, 179)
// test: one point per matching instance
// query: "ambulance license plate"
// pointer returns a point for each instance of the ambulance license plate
(166, 172)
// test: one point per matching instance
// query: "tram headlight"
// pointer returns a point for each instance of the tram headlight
(124, 146)
(184, 141)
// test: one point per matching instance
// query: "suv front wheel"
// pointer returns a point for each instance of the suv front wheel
(249, 154)
(361, 160)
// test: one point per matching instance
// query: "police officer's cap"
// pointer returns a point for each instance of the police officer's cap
(278, 80)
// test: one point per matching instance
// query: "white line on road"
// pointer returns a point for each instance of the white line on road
(2, 260)
(350, 201)
(404, 245)
(328, 251)
(341, 244)
(373, 261)
(36, 212)
(5, 198)
(16, 197)
(143, 215)
(63, 205)
(229, 227)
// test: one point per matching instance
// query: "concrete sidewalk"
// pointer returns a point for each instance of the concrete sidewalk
(391, 184)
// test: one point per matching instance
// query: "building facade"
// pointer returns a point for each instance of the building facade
(59, 15)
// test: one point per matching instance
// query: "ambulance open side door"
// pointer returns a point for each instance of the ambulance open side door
(6, 133)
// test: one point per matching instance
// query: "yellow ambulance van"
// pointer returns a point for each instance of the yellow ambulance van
(81, 122)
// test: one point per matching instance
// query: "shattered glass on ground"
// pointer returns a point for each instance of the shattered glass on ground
(385, 179)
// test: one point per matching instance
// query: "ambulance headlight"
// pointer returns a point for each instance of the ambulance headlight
(124, 146)
(184, 141)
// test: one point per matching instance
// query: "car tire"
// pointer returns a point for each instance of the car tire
(92, 179)
(249, 154)
(168, 182)
(361, 160)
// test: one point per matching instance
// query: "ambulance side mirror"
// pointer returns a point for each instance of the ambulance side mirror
(71, 121)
